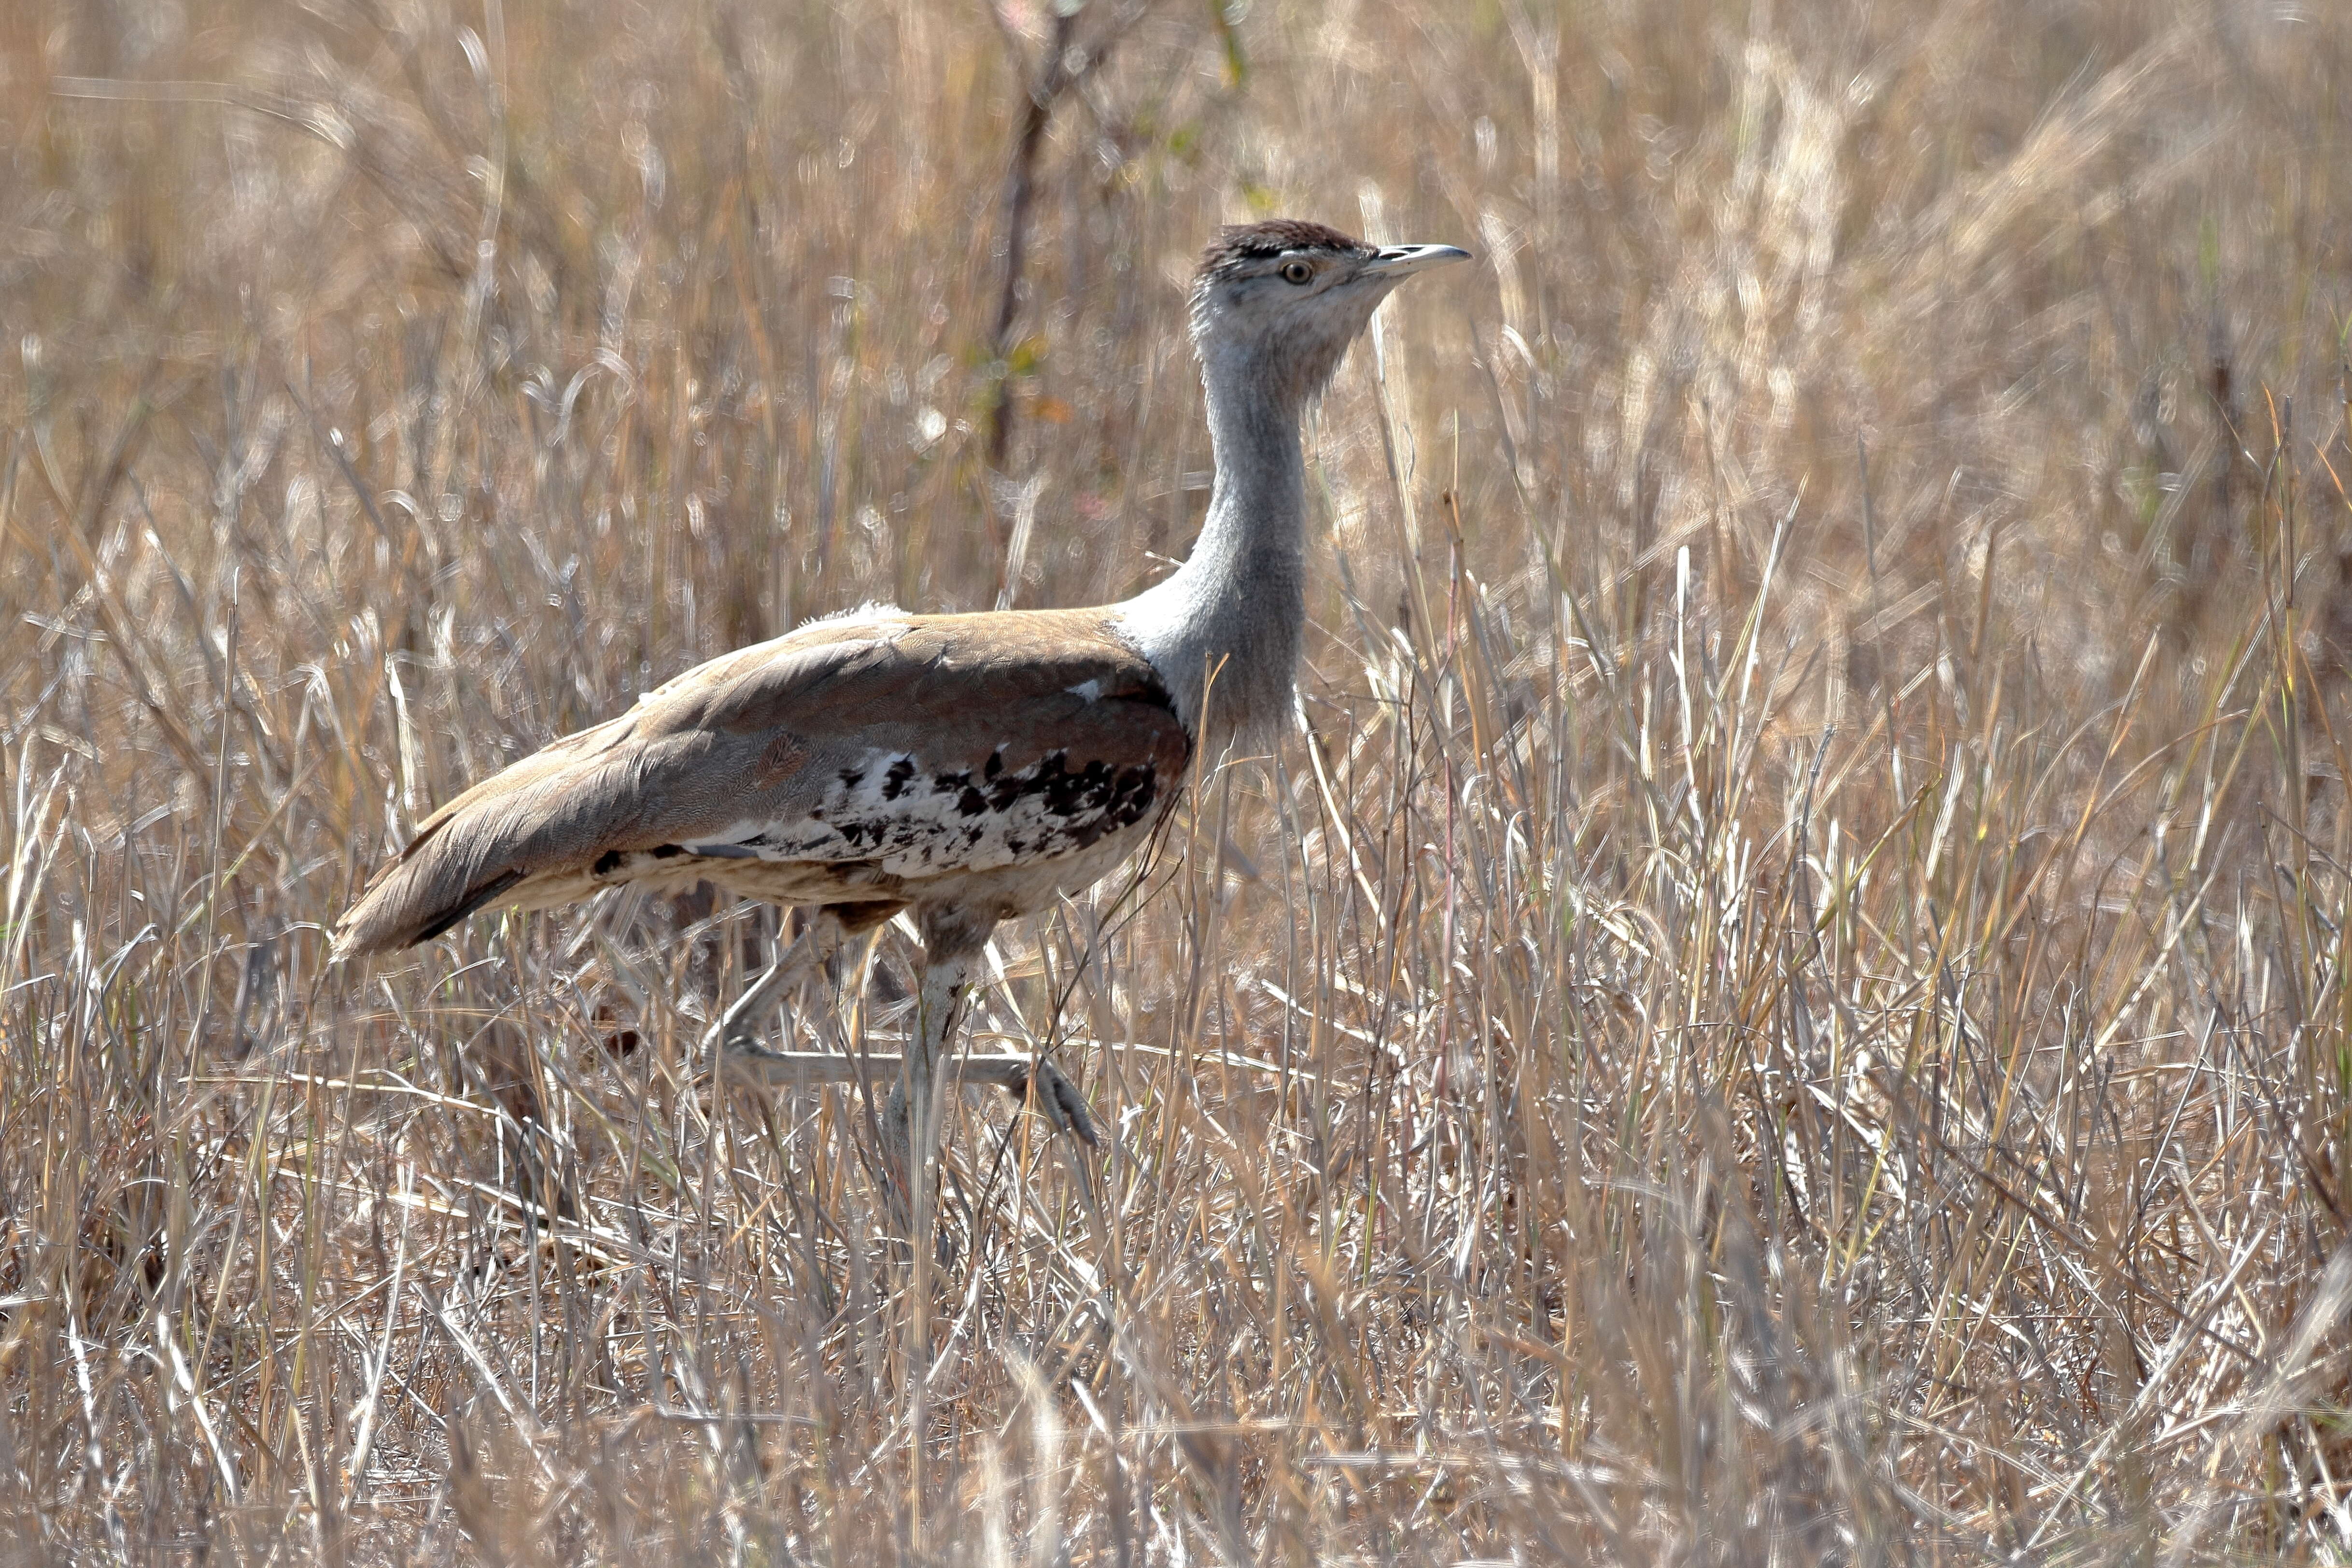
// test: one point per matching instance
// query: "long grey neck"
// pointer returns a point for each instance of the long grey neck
(1235, 609)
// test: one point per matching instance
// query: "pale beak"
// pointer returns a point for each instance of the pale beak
(1396, 262)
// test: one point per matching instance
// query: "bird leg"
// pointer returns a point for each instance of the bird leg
(730, 1036)
(730, 1044)
(915, 1120)
(1057, 1097)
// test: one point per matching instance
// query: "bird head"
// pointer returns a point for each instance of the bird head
(1275, 304)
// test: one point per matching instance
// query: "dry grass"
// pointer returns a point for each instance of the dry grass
(1794, 1005)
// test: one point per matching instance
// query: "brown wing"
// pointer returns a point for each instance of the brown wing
(885, 748)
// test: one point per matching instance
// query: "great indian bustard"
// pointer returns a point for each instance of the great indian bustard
(964, 768)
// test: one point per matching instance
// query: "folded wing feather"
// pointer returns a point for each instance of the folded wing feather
(882, 752)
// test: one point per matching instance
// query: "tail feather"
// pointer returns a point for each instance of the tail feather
(486, 893)
(469, 857)
(414, 899)
(539, 827)
(469, 854)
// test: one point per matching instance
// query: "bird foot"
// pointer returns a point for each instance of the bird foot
(1057, 1097)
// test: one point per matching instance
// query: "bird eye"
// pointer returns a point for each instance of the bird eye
(1296, 272)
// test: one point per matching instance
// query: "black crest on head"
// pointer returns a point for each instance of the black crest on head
(1246, 241)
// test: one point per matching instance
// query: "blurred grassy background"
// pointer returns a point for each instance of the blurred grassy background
(1790, 1001)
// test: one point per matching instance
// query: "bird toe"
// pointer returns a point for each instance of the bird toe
(1059, 1099)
